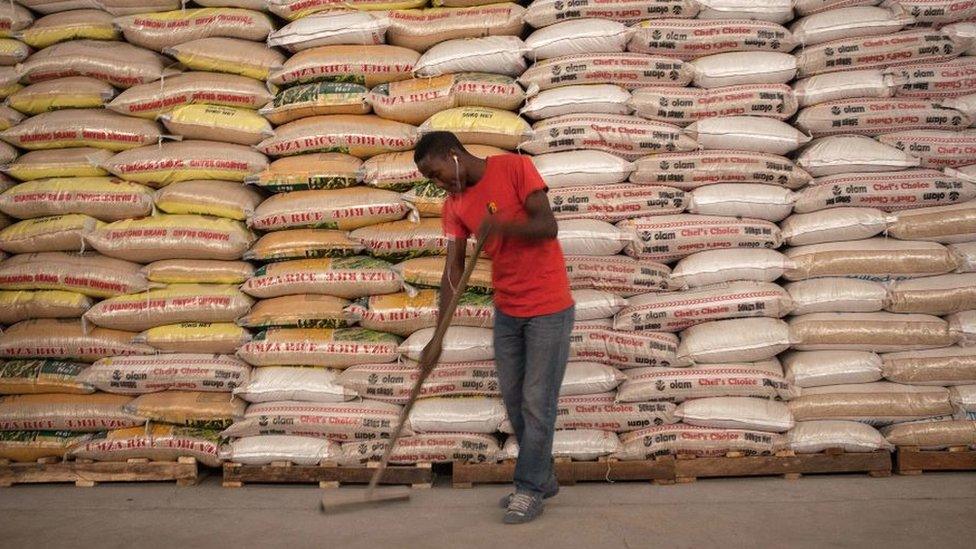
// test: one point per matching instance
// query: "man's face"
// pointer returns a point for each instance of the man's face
(444, 172)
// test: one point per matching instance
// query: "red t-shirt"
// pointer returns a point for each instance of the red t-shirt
(529, 277)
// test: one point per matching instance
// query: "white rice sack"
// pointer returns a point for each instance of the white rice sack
(591, 237)
(575, 444)
(596, 305)
(767, 202)
(733, 69)
(811, 7)
(852, 154)
(573, 168)
(775, 11)
(736, 413)
(668, 238)
(602, 411)
(597, 341)
(836, 295)
(720, 266)
(331, 29)
(341, 422)
(675, 311)
(492, 54)
(285, 383)
(591, 98)
(691, 170)
(578, 37)
(264, 449)
(426, 448)
(811, 437)
(749, 133)
(461, 344)
(819, 368)
(907, 190)
(713, 380)
(589, 378)
(850, 22)
(834, 225)
(737, 340)
(459, 414)
(684, 439)
(834, 86)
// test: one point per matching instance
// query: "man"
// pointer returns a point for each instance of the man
(534, 310)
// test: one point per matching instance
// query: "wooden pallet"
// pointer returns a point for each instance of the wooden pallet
(789, 465)
(87, 473)
(569, 472)
(326, 474)
(910, 460)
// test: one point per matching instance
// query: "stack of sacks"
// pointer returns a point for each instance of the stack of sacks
(869, 344)
(165, 219)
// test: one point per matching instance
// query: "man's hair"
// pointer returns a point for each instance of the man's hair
(435, 143)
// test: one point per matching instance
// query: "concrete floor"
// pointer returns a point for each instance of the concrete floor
(934, 510)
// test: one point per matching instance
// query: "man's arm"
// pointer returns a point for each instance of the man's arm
(540, 224)
(453, 269)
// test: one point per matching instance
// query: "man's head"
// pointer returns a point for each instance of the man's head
(442, 158)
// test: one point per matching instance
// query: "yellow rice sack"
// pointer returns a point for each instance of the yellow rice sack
(9, 117)
(117, 63)
(427, 199)
(88, 273)
(13, 52)
(227, 199)
(228, 55)
(347, 277)
(92, 24)
(31, 446)
(326, 347)
(183, 372)
(317, 98)
(217, 123)
(172, 237)
(104, 198)
(359, 135)
(190, 408)
(397, 171)
(19, 377)
(75, 92)
(414, 101)
(195, 337)
(297, 311)
(198, 271)
(191, 88)
(305, 172)
(481, 126)
(296, 9)
(60, 233)
(301, 244)
(157, 31)
(67, 339)
(368, 66)
(170, 305)
(186, 160)
(399, 240)
(343, 209)
(73, 162)
(403, 314)
(18, 305)
(79, 413)
(158, 443)
(426, 272)
(82, 128)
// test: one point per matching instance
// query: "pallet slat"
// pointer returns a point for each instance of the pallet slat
(465, 475)
(910, 460)
(327, 475)
(877, 464)
(185, 472)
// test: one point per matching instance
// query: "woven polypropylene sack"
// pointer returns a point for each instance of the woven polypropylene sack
(684, 439)
(630, 70)
(79, 413)
(741, 68)
(174, 304)
(135, 375)
(670, 237)
(271, 383)
(837, 295)
(877, 258)
(834, 225)
(341, 422)
(461, 344)
(89, 274)
(349, 278)
(813, 437)
(819, 368)
(736, 413)
(941, 367)
(869, 332)
(343, 209)
(597, 341)
(186, 160)
(945, 224)
(718, 380)
(737, 340)
(190, 88)
(695, 169)
(624, 276)
(722, 266)
(330, 348)
(267, 449)
(880, 403)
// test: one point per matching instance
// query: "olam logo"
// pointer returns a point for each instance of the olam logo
(557, 70)
(661, 385)
(665, 165)
(373, 378)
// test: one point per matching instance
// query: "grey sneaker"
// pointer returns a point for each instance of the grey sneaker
(552, 488)
(523, 508)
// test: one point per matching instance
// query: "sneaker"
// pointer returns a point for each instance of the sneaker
(523, 508)
(552, 488)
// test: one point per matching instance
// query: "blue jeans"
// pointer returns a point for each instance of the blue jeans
(530, 357)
